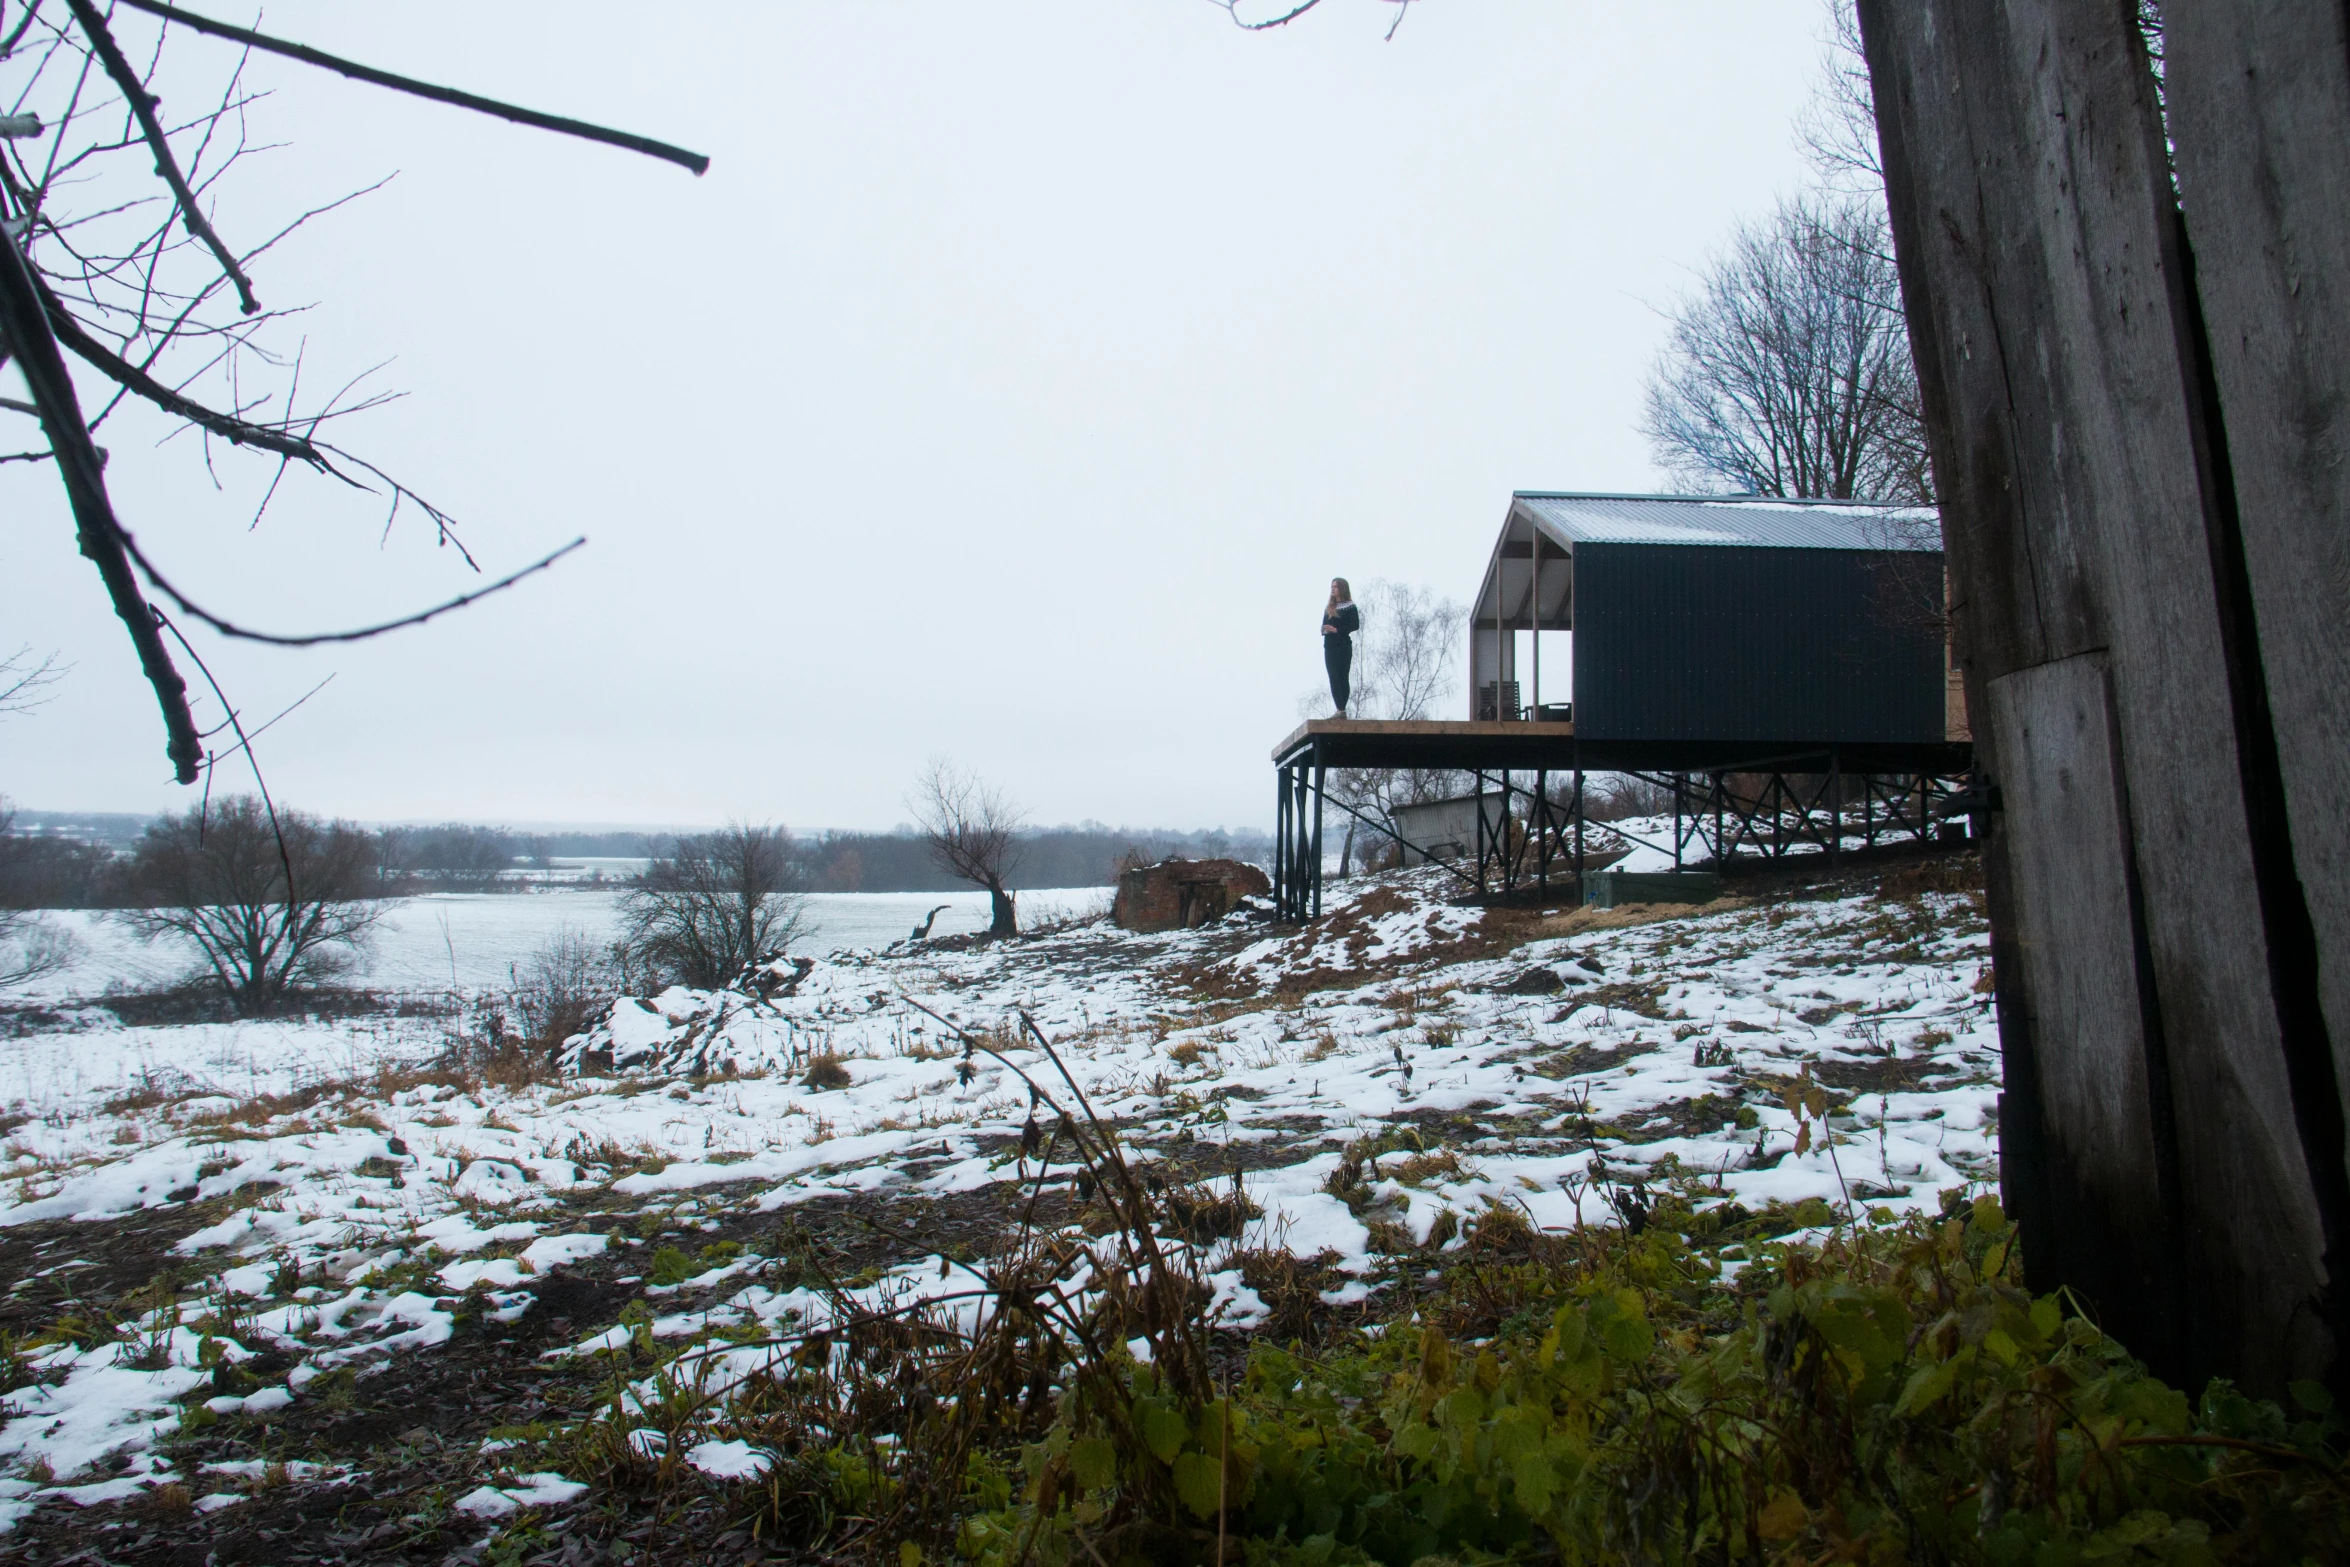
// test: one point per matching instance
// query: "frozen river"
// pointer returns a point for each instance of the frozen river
(469, 940)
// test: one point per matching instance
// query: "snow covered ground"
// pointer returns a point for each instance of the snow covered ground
(1374, 1078)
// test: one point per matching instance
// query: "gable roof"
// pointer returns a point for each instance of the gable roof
(1747, 520)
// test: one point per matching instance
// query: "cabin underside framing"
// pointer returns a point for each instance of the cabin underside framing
(1729, 800)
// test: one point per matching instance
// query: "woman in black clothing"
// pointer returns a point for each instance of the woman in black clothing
(1340, 621)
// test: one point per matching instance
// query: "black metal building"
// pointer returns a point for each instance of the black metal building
(1739, 620)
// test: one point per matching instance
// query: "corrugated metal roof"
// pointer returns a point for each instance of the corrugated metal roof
(1730, 519)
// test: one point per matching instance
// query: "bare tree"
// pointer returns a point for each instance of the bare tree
(1615, 797)
(25, 680)
(269, 899)
(974, 835)
(1411, 636)
(1788, 372)
(31, 947)
(1838, 128)
(714, 906)
(115, 256)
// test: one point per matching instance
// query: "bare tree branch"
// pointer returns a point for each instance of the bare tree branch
(695, 161)
(229, 628)
(24, 327)
(130, 377)
(142, 106)
(16, 35)
(245, 739)
(139, 290)
(1231, 8)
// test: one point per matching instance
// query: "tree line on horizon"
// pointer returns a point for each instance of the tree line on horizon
(49, 868)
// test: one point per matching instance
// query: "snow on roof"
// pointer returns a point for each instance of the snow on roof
(1749, 520)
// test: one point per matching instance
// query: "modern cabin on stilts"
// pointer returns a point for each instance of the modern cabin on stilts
(1796, 646)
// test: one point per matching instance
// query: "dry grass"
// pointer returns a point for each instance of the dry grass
(1952, 873)
(1290, 1287)
(1576, 921)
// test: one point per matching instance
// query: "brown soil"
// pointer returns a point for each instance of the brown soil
(403, 1441)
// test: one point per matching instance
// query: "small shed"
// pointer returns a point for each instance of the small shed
(1715, 618)
(1438, 829)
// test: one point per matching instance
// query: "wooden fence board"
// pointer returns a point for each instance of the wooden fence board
(2041, 272)
(2073, 916)
(2260, 98)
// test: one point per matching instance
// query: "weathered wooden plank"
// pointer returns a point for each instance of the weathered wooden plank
(2260, 105)
(2126, 447)
(2084, 1026)
(2041, 269)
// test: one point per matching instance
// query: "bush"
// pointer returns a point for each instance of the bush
(559, 987)
(1689, 1389)
(1892, 1396)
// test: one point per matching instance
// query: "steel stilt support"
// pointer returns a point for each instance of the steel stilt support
(1582, 893)
(1542, 824)
(1835, 810)
(1321, 777)
(1481, 828)
(1281, 839)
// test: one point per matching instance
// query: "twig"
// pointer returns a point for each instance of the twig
(263, 729)
(285, 856)
(71, 334)
(142, 104)
(16, 36)
(1232, 9)
(1223, 1469)
(2265, 1449)
(409, 84)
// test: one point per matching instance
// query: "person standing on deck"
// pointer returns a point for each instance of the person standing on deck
(1340, 621)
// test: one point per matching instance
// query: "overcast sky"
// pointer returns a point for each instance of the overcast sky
(1009, 389)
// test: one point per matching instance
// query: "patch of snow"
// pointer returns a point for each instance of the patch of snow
(546, 1489)
(736, 1460)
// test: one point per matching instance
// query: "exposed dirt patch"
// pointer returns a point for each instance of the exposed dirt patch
(1583, 1061)
(402, 1440)
(58, 1265)
(1641, 1000)
(1887, 1075)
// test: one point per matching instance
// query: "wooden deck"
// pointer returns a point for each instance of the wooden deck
(1421, 729)
(1530, 745)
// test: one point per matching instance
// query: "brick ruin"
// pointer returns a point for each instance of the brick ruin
(1181, 894)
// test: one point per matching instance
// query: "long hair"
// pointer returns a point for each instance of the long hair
(1340, 593)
